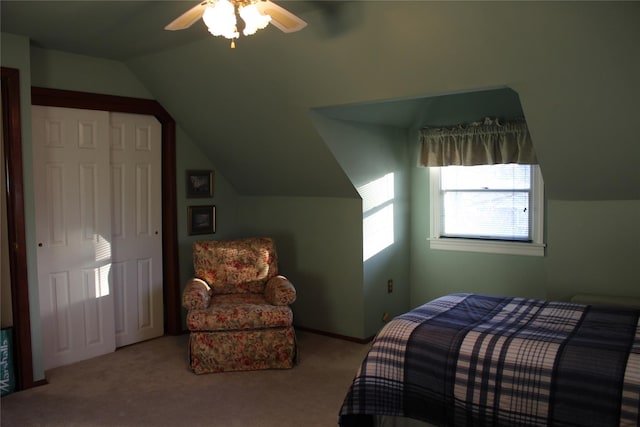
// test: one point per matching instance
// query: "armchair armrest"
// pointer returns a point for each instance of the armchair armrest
(196, 294)
(279, 291)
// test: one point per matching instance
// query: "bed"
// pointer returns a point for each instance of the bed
(481, 360)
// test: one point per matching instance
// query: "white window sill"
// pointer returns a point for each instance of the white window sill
(488, 246)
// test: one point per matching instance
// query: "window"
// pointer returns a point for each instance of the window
(488, 208)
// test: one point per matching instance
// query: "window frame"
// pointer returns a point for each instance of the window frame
(534, 248)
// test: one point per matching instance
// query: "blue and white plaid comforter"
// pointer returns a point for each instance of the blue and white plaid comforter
(478, 360)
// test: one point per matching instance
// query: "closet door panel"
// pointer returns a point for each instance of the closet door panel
(137, 223)
(73, 232)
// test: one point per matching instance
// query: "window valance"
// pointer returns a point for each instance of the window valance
(487, 142)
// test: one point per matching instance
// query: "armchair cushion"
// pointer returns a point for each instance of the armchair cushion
(239, 312)
(235, 266)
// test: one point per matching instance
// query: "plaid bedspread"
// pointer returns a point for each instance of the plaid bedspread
(478, 360)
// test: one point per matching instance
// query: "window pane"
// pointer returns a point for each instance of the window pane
(486, 214)
(492, 177)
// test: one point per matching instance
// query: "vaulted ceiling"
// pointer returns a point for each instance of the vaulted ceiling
(574, 66)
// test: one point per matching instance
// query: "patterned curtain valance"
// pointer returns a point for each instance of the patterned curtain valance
(479, 143)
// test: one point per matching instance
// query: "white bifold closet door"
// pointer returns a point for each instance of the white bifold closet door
(97, 181)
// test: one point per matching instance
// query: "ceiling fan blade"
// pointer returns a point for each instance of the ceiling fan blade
(188, 18)
(280, 17)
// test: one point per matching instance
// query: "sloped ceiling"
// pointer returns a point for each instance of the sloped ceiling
(574, 66)
(434, 111)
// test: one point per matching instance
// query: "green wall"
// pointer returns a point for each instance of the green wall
(368, 152)
(317, 253)
(189, 156)
(62, 70)
(593, 248)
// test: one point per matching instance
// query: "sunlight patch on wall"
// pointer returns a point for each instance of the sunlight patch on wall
(377, 210)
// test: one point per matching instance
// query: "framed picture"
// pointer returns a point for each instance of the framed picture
(201, 219)
(199, 183)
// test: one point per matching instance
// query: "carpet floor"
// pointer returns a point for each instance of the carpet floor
(150, 384)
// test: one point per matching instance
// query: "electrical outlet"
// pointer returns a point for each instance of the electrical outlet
(389, 286)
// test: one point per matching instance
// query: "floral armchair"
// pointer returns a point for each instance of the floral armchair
(238, 310)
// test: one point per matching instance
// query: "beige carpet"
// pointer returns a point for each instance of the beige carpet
(149, 384)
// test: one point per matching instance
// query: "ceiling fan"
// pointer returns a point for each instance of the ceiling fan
(220, 17)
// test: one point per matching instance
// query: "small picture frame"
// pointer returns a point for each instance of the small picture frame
(201, 219)
(199, 183)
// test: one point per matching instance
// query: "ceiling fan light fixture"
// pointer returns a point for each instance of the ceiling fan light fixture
(253, 19)
(220, 19)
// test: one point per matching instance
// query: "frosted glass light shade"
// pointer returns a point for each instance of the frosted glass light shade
(220, 19)
(253, 19)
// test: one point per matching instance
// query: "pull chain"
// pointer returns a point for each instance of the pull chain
(233, 41)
